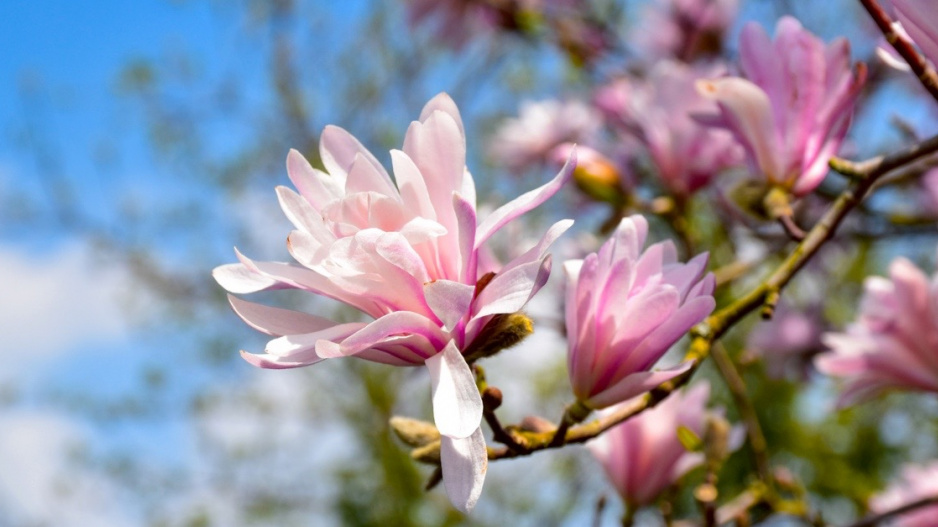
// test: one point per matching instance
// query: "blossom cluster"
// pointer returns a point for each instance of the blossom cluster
(410, 253)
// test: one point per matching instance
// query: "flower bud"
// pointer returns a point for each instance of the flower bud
(414, 432)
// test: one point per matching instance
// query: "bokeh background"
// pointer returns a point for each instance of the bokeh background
(140, 141)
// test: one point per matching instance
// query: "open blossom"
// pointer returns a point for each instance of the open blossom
(406, 255)
(643, 456)
(527, 140)
(685, 29)
(792, 110)
(916, 483)
(658, 112)
(625, 308)
(894, 342)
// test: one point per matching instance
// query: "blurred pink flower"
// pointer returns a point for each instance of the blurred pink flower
(894, 342)
(625, 308)
(527, 140)
(406, 255)
(919, 19)
(792, 336)
(685, 29)
(792, 113)
(657, 110)
(916, 483)
(455, 21)
(643, 456)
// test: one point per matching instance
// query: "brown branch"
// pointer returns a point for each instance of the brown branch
(870, 521)
(925, 72)
(866, 174)
(747, 412)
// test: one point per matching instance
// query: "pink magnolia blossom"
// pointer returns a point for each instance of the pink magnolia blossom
(527, 140)
(405, 255)
(685, 29)
(919, 19)
(916, 483)
(792, 111)
(894, 342)
(658, 111)
(643, 456)
(625, 308)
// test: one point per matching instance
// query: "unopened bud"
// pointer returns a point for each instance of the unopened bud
(595, 174)
(491, 398)
(749, 195)
(413, 431)
(537, 424)
(429, 454)
(716, 439)
(502, 331)
(706, 493)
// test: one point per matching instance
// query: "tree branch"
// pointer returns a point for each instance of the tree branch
(925, 73)
(870, 521)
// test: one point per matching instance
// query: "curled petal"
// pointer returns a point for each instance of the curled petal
(464, 462)
(525, 202)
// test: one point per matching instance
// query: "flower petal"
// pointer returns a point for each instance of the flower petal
(635, 384)
(449, 300)
(457, 405)
(525, 202)
(464, 463)
(277, 321)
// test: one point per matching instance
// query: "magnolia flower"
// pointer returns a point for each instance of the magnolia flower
(792, 111)
(643, 456)
(685, 29)
(657, 110)
(540, 127)
(625, 308)
(405, 255)
(915, 484)
(894, 342)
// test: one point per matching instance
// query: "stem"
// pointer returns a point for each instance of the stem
(791, 228)
(747, 412)
(705, 334)
(870, 521)
(925, 73)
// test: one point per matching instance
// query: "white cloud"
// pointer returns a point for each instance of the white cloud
(43, 483)
(57, 301)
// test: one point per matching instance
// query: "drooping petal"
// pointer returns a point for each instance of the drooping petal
(464, 462)
(457, 405)
(277, 321)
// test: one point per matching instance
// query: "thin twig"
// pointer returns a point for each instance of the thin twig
(791, 228)
(747, 412)
(870, 521)
(925, 73)
(711, 329)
